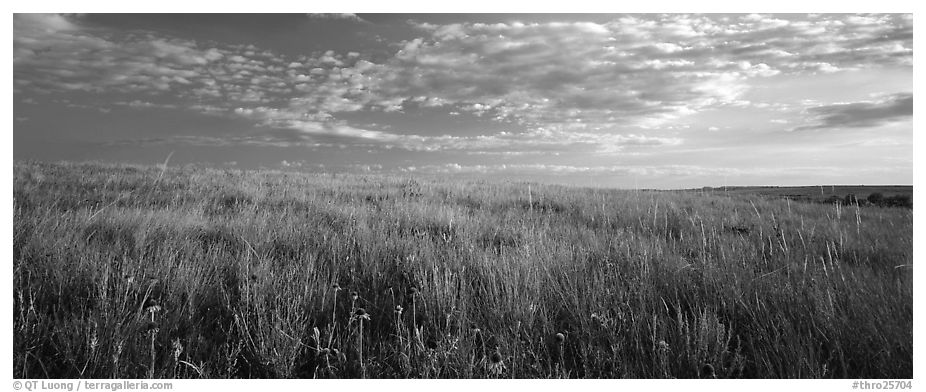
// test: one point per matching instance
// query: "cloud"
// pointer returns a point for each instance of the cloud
(564, 86)
(350, 17)
(635, 70)
(896, 107)
(641, 171)
(54, 53)
(262, 140)
(566, 170)
(41, 24)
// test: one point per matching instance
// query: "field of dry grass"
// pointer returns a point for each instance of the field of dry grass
(128, 272)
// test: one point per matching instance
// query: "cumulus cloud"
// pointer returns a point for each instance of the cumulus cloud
(863, 114)
(566, 86)
(545, 141)
(53, 53)
(634, 70)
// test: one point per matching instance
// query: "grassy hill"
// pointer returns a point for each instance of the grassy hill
(135, 272)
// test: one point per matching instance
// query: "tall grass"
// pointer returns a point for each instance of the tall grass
(640, 284)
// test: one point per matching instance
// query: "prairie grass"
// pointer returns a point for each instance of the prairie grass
(253, 274)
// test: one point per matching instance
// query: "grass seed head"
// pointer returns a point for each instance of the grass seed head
(178, 348)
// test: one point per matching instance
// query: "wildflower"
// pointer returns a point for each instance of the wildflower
(662, 346)
(398, 310)
(336, 286)
(151, 327)
(361, 314)
(496, 365)
(253, 277)
(152, 306)
(560, 338)
(707, 371)
(354, 295)
(412, 291)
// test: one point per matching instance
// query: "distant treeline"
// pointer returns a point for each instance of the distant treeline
(874, 199)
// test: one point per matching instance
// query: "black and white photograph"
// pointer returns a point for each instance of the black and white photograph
(457, 196)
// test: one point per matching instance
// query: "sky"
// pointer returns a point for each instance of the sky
(612, 100)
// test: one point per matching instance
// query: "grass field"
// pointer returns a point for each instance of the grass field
(131, 272)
